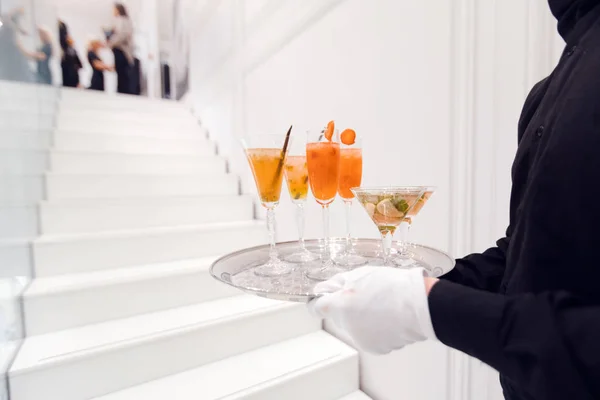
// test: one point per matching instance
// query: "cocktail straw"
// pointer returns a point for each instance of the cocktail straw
(285, 146)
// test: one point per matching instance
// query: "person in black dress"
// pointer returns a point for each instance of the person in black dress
(71, 64)
(98, 66)
(63, 33)
(120, 40)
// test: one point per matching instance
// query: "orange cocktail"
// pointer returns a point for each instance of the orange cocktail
(268, 173)
(350, 177)
(323, 159)
(350, 171)
(266, 156)
(296, 175)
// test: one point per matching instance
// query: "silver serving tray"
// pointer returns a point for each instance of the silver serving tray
(235, 269)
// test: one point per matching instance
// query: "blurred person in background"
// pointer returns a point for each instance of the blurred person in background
(13, 63)
(70, 64)
(42, 56)
(98, 66)
(120, 40)
(63, 32)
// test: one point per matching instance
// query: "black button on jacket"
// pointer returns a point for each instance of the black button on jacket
(530, 307)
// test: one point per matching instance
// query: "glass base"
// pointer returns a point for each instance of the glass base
(301, 257)
(323, 273)
(273, 269)
(350, 260)
(403, 261)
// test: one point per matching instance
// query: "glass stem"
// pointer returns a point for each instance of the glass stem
(348, 204)
(300, 223)
(271, 230)
(386, 245)
(326, 253)
(403, 233)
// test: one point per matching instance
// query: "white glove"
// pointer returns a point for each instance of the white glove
(381, 308)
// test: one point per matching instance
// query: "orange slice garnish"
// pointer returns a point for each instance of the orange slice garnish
(348, 137)
(329, 130)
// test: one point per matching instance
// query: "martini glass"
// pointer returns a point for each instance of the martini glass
(323, 161)
(266, 158)
(296, 176)
(351, 162)
(404, 257)
(387, 207)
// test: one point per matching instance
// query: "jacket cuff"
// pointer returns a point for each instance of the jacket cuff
(467, 319)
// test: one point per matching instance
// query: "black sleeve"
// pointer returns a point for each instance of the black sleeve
(91, 58)
(482, 271)
(547, 343)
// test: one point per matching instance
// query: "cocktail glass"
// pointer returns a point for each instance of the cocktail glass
(266, 158)
(387, 207)
(350, 177)
(296, 175)
(323, 161)
(404, 258)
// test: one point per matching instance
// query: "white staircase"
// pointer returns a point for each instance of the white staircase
(137, 205)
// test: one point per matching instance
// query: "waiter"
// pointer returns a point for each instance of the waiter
(530, 306)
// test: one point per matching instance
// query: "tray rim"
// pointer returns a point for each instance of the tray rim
(264, 293)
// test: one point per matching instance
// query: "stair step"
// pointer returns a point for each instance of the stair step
(95, 360)
(99, 296)
(135, 114)
(162, 130)
(18, 221)
(98, 124)
(16, 258)
(21, 189)
(63, 254)
(86, 98)
(26, 139)
(132, 144)
(356, 396)
(11, 91)
(19, 119)
(189, 133)
(120, 163)
(23, 162)
(315, 366)
(97, 215)
(79, 186)
(8, 350)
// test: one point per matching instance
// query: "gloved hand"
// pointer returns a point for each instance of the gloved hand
(381, 308)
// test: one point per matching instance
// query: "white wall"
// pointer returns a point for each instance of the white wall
(434, 87)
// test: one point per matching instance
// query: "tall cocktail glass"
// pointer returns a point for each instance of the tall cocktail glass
(296, 175)
(267, 160)
(351, 163)
(323, 161)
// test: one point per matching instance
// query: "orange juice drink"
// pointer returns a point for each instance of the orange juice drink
(350, 172)
(323, 160)
(268, 173)
(296, 175)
